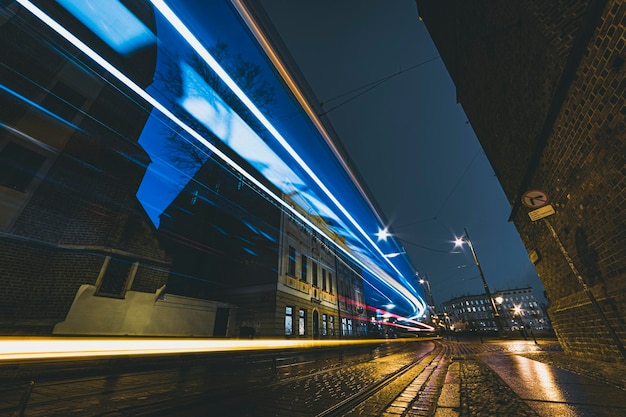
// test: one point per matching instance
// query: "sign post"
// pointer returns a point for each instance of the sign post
(538, 200)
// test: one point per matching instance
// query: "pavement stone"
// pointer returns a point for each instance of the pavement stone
(450, 391)
(484, 394)
(473, 389)
(612, 373)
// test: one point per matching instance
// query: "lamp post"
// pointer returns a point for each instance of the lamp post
(430, 293)
(520, 313)
(459, 242)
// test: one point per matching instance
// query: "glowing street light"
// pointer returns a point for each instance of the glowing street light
(458, 243)
(383, 234)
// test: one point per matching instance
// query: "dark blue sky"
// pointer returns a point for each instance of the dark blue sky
(408, 137)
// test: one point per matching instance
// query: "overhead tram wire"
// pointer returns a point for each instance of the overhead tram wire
(369, 86)
(436, 216)
(424, 247)
(457, 183)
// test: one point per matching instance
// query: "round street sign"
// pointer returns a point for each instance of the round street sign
(535, 199)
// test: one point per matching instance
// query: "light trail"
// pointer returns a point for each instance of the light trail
(33, 348)
(191, 39)
(414, 301)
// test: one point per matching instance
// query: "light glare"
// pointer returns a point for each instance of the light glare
(383, 234)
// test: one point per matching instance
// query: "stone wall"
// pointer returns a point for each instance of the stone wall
(544, 87)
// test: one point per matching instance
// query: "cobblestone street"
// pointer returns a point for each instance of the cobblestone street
(478, 382)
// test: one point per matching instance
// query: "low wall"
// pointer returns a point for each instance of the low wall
(141, 314)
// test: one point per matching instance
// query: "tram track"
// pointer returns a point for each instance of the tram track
(334, 392)
(291, 382)
(372, 399)
(329, 392)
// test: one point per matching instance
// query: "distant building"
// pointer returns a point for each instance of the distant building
(517, 308)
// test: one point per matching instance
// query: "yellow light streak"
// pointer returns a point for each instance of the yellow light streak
(23, 348)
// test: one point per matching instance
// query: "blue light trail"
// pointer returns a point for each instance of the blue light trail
(277, 160)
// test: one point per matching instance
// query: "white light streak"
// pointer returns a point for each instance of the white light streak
(204, 54)
(208, 58)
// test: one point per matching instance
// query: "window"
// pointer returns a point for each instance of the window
(330, 283)
(304, 266)
(64, 101)
(314, 274)
(324, 325)
(331, 325)
(291, 266)
(323, 279)
(288, 320)
(302, 322)
(18, 166)
(115, 278)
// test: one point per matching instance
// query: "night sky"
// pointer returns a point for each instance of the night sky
(389, 97)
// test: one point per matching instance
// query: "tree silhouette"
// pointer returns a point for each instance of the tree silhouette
(185, 153)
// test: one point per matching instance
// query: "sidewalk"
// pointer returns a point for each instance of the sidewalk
(519, 378)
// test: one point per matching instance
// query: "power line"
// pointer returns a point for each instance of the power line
(368, 87)
(425, 247)
(457, 183)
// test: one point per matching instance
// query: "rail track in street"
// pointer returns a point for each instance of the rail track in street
(303, 382)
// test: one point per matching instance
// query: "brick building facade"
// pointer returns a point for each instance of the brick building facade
(544, 87)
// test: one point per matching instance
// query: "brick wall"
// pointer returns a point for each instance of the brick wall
(547, 99)
(81, 207)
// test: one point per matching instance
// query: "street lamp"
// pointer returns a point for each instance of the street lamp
(465, 239)
(517, 312)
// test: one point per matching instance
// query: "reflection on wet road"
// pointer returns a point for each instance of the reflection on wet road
(551, 391)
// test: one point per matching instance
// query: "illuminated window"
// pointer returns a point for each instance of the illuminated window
(302, 322)
(324, 325)
(291, 267)
(314, 274)
(304, 267)
(288, 320)
(18, 166)
(331, 325)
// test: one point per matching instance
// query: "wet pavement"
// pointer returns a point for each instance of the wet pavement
(551, 391)
(450, 379)
(520, 378)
